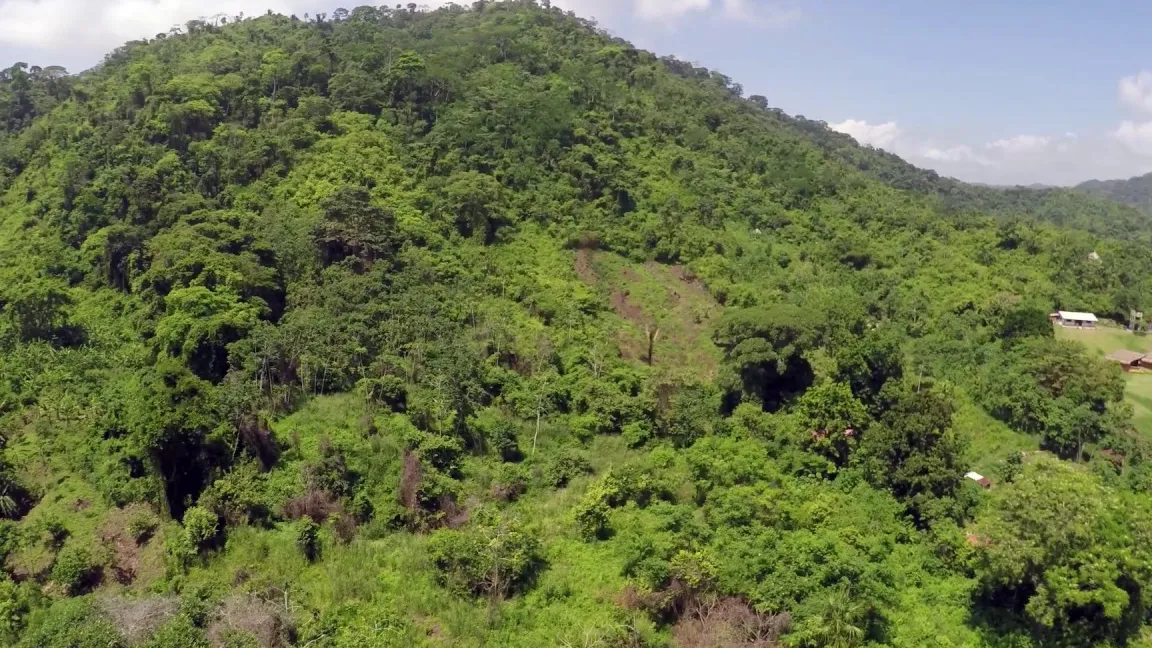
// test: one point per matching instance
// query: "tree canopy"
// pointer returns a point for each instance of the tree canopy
(481, 327)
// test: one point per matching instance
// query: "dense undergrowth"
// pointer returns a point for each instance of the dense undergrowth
(480, 327)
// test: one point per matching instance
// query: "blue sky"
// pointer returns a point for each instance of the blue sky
(1005, 92)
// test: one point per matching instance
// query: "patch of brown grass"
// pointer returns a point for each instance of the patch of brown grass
(712, 622)
(264, 621)
(137, 619)
(316, 504)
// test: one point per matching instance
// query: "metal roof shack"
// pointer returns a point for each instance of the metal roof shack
(979, 479)
(1128, 359)
(1073, 318)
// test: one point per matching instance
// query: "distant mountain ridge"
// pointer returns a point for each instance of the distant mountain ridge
(1136, 191)
(1065, 207)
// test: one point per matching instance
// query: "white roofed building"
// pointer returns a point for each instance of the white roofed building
(1076, 320)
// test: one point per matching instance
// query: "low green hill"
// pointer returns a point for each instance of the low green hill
(480, 327)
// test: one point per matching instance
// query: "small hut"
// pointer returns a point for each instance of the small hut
(1072, 319)
(1128, 360)
(984, 482)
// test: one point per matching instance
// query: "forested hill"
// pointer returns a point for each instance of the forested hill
(1133, 191)
(479, 327)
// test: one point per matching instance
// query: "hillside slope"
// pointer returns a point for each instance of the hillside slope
(1133, 191)
(479, 327)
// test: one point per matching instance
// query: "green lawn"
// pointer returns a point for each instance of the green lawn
(992, 440)
(1139, 395)
(1108, 339)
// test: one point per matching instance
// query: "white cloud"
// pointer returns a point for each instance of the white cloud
(875, 135)
(1137, 136)
(764, 15)
(1020, 144)
(663, 9)
(1136, 91)
(101, 25)
(960, 153)
(89, 28)
(748, 11)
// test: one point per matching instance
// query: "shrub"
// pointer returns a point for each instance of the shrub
(251, 622)
(388, 391)
(179, 553)
(362, 509)
(344, 526)
(180, 632)
(503, 441)
(197, 605)
(70, 623)
(510, 483)
(51, 531)
(592, 518)
(240, 497)
(636, 433)
(330, 473)
(497, 556)
(74, 569)
(142, 524)
(201, 525)
(591, 513)
(440, 451)
(499, 434)
(564, 466)
(15, 604)
(9, 538)
(317, 505)
(308, 539)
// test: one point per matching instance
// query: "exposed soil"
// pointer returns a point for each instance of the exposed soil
(128, 555)
(584, 268)
(628, 309)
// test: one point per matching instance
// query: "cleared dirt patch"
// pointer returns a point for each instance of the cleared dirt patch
(132, 557)
(263, 621)
(651, 297)
(584, 268)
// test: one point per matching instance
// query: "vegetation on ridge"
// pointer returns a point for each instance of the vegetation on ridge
(480, 327)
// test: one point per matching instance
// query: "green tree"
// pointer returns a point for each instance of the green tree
(1065, 554)
(764, 352)
(915, 453)
(836, 621)
(308, 539)
(833, 421)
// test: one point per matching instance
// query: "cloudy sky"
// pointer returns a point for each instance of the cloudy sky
(1018, 92)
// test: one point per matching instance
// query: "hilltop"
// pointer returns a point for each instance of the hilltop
(479, 326)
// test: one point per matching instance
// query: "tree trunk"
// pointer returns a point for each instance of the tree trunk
(653, 335)
(537, 435)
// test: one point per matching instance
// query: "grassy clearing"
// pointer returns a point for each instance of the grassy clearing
(992, 440)
(1109, 339)
(667, 297)
(1106, 339)
(1138, 393)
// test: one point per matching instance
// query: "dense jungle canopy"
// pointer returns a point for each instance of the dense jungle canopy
(481, 327)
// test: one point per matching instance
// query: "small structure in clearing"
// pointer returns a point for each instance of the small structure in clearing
(1075, 320)
(1129, 360)
(984, 482)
